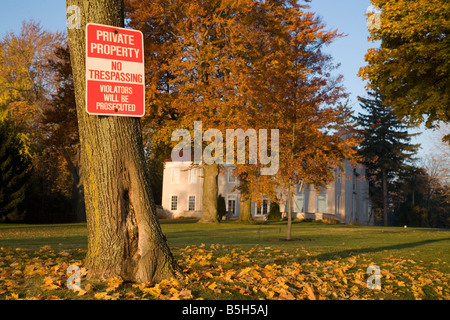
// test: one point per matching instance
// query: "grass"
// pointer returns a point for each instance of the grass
(64, 236)
(422, 252)
(322, 240)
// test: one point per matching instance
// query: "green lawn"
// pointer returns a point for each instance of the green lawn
(322, 240)
(414, 262)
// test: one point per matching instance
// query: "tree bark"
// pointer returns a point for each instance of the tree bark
(124, 236)
(245, 202)
(290, 192)
(245, 205)
(289, 215)
(210, 192)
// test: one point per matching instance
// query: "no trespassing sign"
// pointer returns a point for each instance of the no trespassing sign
(115, 82)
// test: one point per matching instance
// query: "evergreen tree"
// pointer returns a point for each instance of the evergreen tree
(221, 206)
(386, 149)
(15, 167)
(274, 212)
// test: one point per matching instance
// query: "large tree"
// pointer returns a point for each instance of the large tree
(124, 236)
(25, 80)
(207, 60)
(411, 68)
(386, 149)
(27, 85)
(243, 64)
(299, 98)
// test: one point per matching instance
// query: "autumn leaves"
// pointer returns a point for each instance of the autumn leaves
(411, 66)
(226, 272)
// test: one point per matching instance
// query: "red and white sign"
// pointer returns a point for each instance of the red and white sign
(115, 83)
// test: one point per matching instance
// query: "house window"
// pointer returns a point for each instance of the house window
(175, 178)
(192, 176)
(174, 203)
(322, 202)
(262, 209)
(231, 176)
(231, 204)
(191, 203)
(299, 200)
(265, 207)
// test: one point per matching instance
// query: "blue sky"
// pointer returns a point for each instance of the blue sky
(348, 16)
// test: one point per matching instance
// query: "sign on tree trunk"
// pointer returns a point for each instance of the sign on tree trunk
(125, 239)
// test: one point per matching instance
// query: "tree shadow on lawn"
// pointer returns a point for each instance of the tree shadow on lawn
(352, 252)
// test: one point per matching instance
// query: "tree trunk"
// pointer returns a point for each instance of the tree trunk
(290, 193)
(245, 202)
(124, 236)
(210, 191)
(289, 215)
(385, 198)
(245, 205)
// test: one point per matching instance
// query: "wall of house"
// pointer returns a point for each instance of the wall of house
(182, 188)
(356, 195)
(347, 198)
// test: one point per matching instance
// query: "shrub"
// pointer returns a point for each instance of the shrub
(274, 212)
(221, 207)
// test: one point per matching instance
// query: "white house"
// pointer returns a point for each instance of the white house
(345, 200)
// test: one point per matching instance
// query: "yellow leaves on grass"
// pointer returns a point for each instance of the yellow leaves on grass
(106, 296)
(113, 283)
(49, 285)
(12, 296)
(154, 291)
(218, 272)
(44, 270)
(168, 289)
(212, 286)
(310, 292)
(266, 273)
(110, 294)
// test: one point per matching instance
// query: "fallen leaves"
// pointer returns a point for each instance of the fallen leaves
(24, 272)
(169, 289)
(49, 285)
(266, 273)
(226, 272)
(113, 284)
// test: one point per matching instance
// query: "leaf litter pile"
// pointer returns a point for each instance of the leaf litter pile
(226, 272)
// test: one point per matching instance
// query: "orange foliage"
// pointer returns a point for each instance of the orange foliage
(245, 64)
